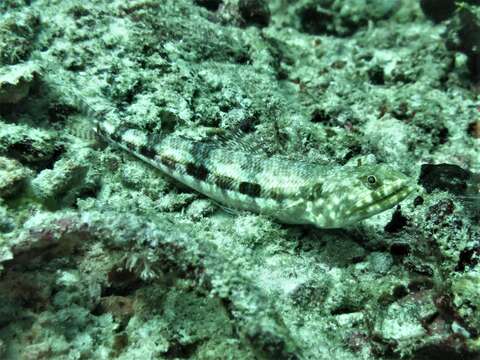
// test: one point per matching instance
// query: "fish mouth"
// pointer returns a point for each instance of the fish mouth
(397, 193)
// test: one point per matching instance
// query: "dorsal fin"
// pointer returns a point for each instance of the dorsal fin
(237, 140)
(217, 137)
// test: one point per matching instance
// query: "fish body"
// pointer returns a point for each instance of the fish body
(295, 192)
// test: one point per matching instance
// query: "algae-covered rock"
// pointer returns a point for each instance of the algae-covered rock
(30, 146)
(18, 30)
(467, 28)
(61, 185)
(340, 17)
(13, 177)
(402, 323)
(7, 221)
(16, 81)
(463, 27)
(466, 292)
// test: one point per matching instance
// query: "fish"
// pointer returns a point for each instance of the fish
(290, 191)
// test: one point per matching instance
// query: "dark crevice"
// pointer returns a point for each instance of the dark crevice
(397, 223)
(181, 351)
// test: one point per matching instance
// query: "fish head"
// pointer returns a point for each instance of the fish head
(351, 194)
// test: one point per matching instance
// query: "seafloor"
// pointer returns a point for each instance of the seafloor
(103, 258)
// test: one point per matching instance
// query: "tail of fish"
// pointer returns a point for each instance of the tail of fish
(94, 107)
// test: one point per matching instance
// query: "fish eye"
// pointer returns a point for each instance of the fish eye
(371, 182)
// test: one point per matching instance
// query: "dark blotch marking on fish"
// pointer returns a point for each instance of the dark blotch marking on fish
(224, 182)
(275, 194)
(168, 162)
(199, 172)
(147, 151)
(117, 137)
(131, 146)
(250, 189)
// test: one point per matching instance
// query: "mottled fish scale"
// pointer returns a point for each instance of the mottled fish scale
(236, 179)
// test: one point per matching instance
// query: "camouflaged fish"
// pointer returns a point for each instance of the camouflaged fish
(294, 192)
